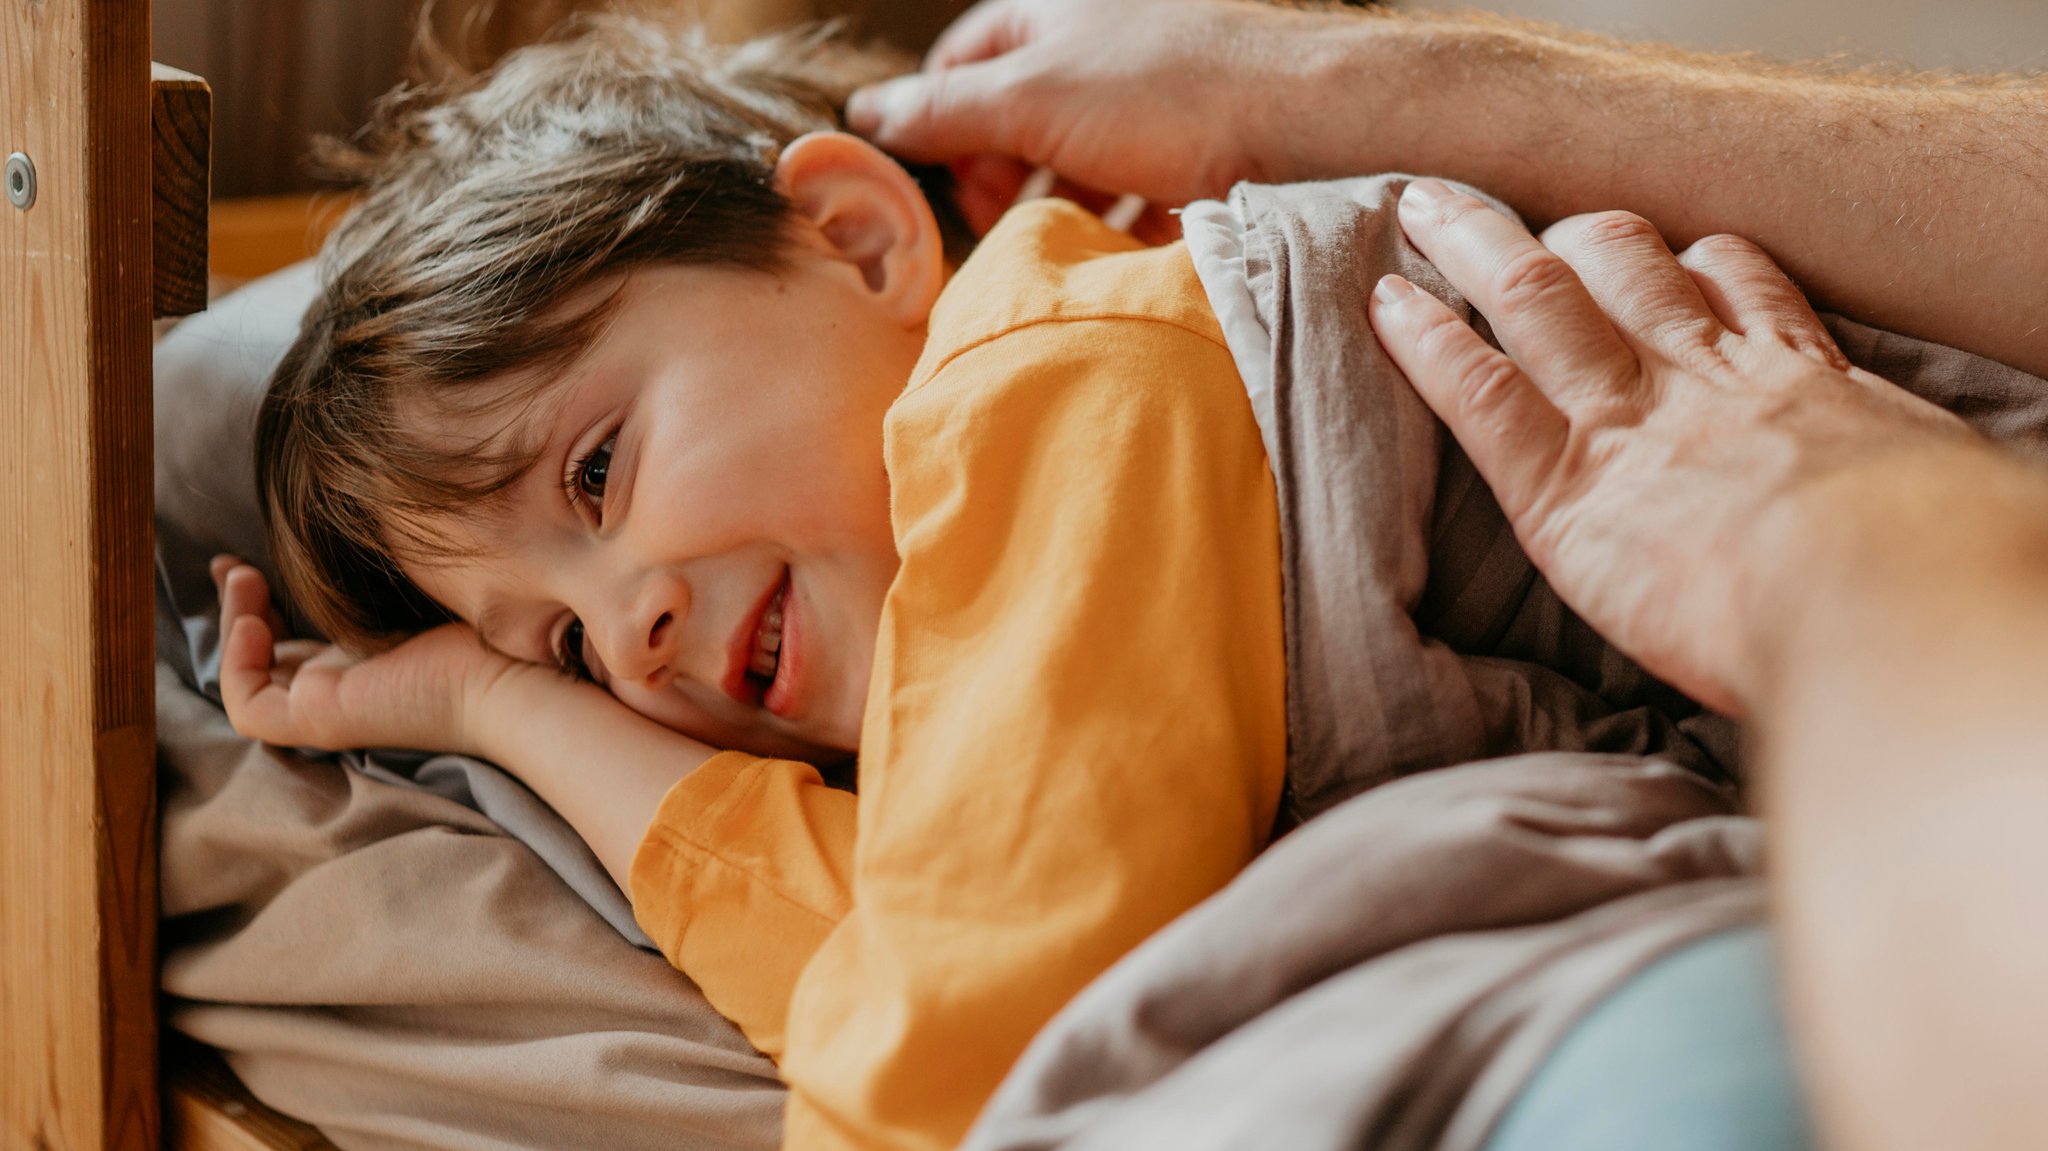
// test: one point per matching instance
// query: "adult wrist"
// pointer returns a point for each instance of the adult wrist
(1891, 553)
(1314, 96)
(1383, 91)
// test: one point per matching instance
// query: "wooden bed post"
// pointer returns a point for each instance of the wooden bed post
(78, 1041)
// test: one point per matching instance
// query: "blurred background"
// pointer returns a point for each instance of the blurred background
(283, 70)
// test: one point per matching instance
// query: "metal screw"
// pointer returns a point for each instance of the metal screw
(21, 181)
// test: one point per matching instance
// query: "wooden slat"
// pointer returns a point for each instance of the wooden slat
(77, 802)
(207, 1109)
(181, 123)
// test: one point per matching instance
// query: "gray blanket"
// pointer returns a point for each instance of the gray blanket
(1390, 974)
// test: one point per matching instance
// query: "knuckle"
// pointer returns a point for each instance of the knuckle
(1618, 228)
(1456, 208)
(1531, 277)
(933, 94)
(1720, 249)
(1698, 350)
(1437, 342)
(1488, 383)
(1674, 323)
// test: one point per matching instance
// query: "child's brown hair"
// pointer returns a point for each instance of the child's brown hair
(492, 199)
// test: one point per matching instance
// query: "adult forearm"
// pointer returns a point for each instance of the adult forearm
(1912, 203)
(1906, 781)
(1915, 203)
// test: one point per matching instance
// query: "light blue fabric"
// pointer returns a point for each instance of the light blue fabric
(1690, 1055)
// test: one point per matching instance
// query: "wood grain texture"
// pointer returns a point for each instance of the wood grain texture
(181, 124)
(207, 1109)
(77, 738)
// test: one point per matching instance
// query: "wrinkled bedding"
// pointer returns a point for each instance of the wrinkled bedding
(1389, 975)
(389, 965)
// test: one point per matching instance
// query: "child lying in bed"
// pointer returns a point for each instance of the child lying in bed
(1005, 531)
(1014, 533)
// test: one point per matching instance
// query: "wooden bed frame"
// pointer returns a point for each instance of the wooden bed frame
(115, 155)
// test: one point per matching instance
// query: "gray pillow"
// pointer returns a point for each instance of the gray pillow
(210, 376)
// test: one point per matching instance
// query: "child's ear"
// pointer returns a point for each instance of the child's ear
(871, 214)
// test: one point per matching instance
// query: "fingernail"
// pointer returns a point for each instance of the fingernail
(1392, 289)
(1423, 195)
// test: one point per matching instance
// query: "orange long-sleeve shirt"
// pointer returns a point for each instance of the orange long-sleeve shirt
(1075, 727)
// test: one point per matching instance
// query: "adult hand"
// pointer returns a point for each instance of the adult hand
(1173, 100)
(1660, 428)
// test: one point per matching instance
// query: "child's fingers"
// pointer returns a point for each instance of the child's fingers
(292, 654)
(244, 591)
(255, 704)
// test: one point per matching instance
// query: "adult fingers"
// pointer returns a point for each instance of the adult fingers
(1756, 299)
(1538, 308)
(935, 117)
(1510, 429)
(1632, 275)
(990, 28)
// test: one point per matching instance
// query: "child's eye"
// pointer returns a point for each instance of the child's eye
(587, 477)
(569, 655)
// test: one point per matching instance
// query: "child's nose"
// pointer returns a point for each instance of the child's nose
(645, 644)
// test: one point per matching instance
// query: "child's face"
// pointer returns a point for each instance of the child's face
(707, 528)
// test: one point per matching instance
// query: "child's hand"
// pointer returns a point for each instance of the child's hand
(301, 693)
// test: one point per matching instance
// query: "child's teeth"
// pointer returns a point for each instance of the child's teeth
(768, 643)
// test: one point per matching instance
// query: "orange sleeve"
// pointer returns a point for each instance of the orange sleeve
(744, 871)
(1075, 729)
